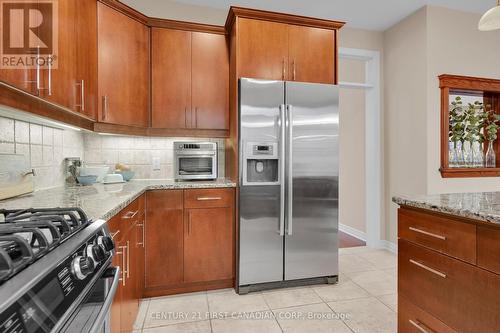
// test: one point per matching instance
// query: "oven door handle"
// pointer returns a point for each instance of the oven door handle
(111, 272)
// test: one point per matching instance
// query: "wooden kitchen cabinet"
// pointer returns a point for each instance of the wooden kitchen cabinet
(86, 52)
(164, 239)
(280, 51)
(76, 61)
(126, 230)
(210, 81)
(123, 69)
(171, 78)
(446, 278)
(311, 54)
(189, 240)
(190, 80)
(207, 232)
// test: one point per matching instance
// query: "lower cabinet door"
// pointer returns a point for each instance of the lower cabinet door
(208, 244)
(164, 239)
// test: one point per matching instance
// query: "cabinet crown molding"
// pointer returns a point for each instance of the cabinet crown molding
(279, 17)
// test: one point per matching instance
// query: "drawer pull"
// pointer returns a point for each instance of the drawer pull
(130, 215)
(419, 326)
(427, 268)
(208, 198)
(427, 233)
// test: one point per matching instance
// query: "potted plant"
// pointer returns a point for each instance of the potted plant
(491, 127)
(457, 132)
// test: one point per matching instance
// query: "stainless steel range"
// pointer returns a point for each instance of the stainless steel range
(55, 273)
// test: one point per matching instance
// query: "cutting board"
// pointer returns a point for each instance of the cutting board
(13, 181)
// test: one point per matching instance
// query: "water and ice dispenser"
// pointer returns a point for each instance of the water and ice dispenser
(261, 163)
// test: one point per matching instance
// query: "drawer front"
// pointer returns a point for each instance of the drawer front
(488, 249)
(209, 198)
(454, 238)
(461, 295)
(412, 319)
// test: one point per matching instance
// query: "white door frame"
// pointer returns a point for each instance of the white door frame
(373, 143)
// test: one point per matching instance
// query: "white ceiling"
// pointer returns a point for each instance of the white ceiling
(365, 14)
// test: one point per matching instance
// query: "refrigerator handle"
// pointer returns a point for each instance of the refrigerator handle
(289, 208)
(282, 164)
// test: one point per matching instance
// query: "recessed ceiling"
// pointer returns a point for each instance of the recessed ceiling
(365, 14)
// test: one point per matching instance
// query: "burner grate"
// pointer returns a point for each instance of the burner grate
(29, 234)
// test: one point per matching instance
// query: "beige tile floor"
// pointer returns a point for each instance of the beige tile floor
(364, 300)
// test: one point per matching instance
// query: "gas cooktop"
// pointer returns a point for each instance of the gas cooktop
(29, 234)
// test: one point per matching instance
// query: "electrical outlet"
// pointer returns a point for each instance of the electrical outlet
(156, 163)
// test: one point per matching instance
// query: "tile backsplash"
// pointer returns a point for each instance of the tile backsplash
(139, 152)
(44, 146)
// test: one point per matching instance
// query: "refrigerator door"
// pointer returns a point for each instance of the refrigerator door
(261, 194)
(312, 178)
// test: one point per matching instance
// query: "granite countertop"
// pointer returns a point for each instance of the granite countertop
(101, 201)
(483, 206)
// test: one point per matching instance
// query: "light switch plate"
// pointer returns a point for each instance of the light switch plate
(156, 163)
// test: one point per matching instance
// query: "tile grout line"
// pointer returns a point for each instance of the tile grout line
(209, 314)
(343, 321)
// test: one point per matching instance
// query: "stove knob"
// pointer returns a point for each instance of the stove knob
(81, 267)
(96, 252)
(106, 242)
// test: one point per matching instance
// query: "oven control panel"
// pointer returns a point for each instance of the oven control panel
(38, 310)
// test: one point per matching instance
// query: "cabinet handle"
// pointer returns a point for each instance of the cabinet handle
(130, 215)
(419, 326)
(185, 117)
(427, 268)
(208, 198)
(143, 235)
(427, 233)
(283, 69)
(125, 269)
(195, 117)
(38, 75)
(104, 107)
(50, 77)
(113, 235)
(293, 64)
(82, 95)
(128, 259)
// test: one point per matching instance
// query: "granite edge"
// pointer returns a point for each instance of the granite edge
(124, 203)
(465, 213)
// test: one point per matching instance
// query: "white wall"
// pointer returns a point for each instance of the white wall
(178, 11)
(405, 135)
(455, 46)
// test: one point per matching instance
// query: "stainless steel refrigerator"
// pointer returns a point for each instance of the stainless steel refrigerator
(288, 197)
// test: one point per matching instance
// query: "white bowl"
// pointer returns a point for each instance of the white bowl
(99, 170)
(113, 178)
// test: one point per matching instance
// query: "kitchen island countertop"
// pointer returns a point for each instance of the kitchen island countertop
(101, 201)
(481, 206)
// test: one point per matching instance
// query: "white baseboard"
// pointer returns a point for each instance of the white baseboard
(389, 246)
(353, 232)
(380, 244)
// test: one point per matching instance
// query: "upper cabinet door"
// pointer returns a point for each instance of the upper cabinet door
(86, 75)
(263, 49)
(59, 81)
(123, 68)
(311, 54)
(210, 81)
(171, 78)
